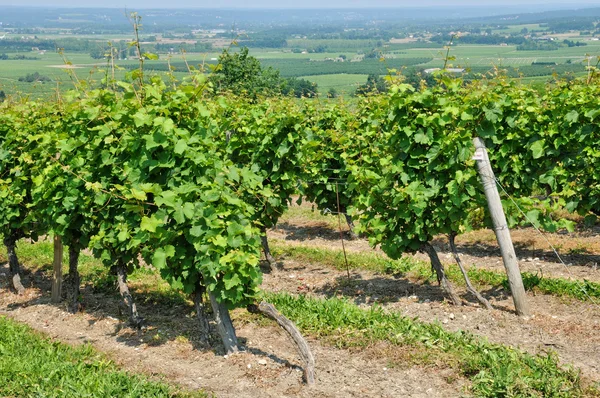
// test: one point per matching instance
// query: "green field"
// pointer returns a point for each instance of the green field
(316, 67)
(343, 84)
(518, 28)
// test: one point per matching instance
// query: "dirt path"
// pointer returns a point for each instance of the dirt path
(167, 348)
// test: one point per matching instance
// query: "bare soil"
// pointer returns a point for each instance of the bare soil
(270, 366)
(167, 349)
(566, 326)
(578, 252)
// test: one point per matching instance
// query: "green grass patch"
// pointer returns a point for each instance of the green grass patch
(409, 266)
(38, 257)
(494, 370)
(304, 213)
(35, 366)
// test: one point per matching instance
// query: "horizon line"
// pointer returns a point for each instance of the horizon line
(575, 6)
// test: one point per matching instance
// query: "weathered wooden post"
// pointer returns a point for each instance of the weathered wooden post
(507, 249)
(57, 276)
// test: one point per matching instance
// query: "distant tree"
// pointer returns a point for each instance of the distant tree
(240, 72)
(318, 49)
(416, 78)
(571, 43)
(374, 53)
(375, 84)
(34, 77)
(3, 56)
(332, 93)
(98, 53)
(2, 96)
(299, 88)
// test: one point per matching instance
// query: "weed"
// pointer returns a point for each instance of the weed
(33, 365)
(421, 270)
(494, 370)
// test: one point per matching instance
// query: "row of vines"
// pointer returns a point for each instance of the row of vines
(189, 181)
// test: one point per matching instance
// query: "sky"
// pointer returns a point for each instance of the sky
(141, 4)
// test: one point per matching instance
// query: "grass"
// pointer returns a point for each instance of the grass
(422, 270)
(35, 366)
(38, 257)
(312, 215)
(494, 370)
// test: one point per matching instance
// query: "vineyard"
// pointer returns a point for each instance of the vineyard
(173, 188)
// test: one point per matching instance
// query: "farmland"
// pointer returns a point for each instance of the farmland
(180, 224)
(300, 52)
(314, 67)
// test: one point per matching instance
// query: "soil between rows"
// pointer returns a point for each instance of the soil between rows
(168, 347)
(566, 326)
(269, 367)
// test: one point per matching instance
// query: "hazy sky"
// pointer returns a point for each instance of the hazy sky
(140, 4)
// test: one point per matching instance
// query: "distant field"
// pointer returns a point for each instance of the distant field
(343, 84)
(291, 68)
(286, 54)
(519, 28)
(12, 70)
(335, 44)
(342, 76)
(482, 55)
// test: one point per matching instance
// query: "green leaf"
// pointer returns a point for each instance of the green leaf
(159, 259)
(168, 198)
(141, 118)
(138, 194)
(422, 138)
(537, 149)
(150, 56)
(572, 117)
(231, 280)
(150, 224)
(180, 147)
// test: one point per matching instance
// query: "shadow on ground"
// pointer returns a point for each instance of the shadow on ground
(168, 316)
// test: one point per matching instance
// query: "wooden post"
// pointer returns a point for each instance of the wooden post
(57, 277)
(507, 249)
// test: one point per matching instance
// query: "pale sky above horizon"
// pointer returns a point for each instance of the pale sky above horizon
(142, 4)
